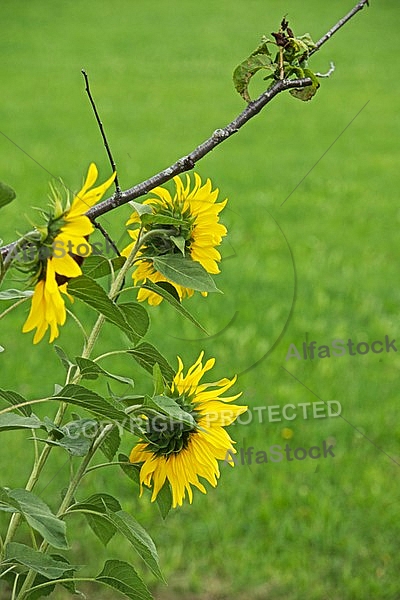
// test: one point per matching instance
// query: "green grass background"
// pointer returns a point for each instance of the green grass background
(161, 75)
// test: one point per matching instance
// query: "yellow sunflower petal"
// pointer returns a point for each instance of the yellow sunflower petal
(199, 450)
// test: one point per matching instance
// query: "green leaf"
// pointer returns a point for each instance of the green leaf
(40, 517)
(92, 402)
(137, 317)
(8, 504)
(63, 357)
(185, 271)
(37, 561)
(111, 444)
(309, 91)
(141, 209)
(13, 421)
(97, 267)
(131, 470)
(13, 398)
(168, 407)
(46, 591)
(161, 289)
(95, 509)
(153, 219)
(7, 194)
(158, 380)
(77, 436)
(139, 538)
(91, 370)
(93, 294)
(179, 242)
(164, 500)
(259, 59)
(147, 356)
(122, 576)
(12, 294)
(165, 285)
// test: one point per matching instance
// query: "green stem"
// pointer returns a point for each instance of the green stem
(10, 308)
(65, 580)
(39, 464)
(69, 494)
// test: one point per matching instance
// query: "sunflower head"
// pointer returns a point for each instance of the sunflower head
(178, 452)
(183, 225)
(52, 254)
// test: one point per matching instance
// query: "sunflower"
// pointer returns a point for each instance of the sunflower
(64, 240)
(196, 233)
(181, 454)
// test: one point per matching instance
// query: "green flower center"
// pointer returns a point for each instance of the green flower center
(177, 238)
(166, 436)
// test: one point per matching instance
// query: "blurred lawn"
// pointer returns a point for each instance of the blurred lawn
(161, 75)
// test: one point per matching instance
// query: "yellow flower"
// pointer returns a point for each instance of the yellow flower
(68, 233)
(181, 454)
(200, 231)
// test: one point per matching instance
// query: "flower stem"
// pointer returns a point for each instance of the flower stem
(69, 494)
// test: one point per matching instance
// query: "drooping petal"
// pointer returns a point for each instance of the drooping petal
(203, 446)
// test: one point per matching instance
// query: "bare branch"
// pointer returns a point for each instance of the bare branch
(186, 163)
(359, 6)
(103, 133)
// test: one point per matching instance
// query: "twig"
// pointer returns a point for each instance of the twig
(328, 73)
(359, 6)
(103, 134)
(106, 236)
(187, 162)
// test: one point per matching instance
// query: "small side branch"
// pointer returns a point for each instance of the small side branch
(186, 163)
(359, 6)
(103, 134)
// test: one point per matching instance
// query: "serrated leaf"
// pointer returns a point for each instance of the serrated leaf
(158, 380)
(97, 267)
(309, 91)
(63, 357)
(247, 69)
(8, 504)
(168, 407)
(92, 402)
(14, 398)
(46, 591)
(131, 470)
(37, 561)
(40, 518)
(12, 294)
(164, 291)
(91, 370)
(141, 209)
(179, 242)
(139, 538)
(75, 437)
(11, 420)
(7, 194)
(164, 500)
(122, 576)
(154, 219)
(185, 271)
(95, 509)
(147, 356)
(111, 444)
(136, 316)
(93, 294)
